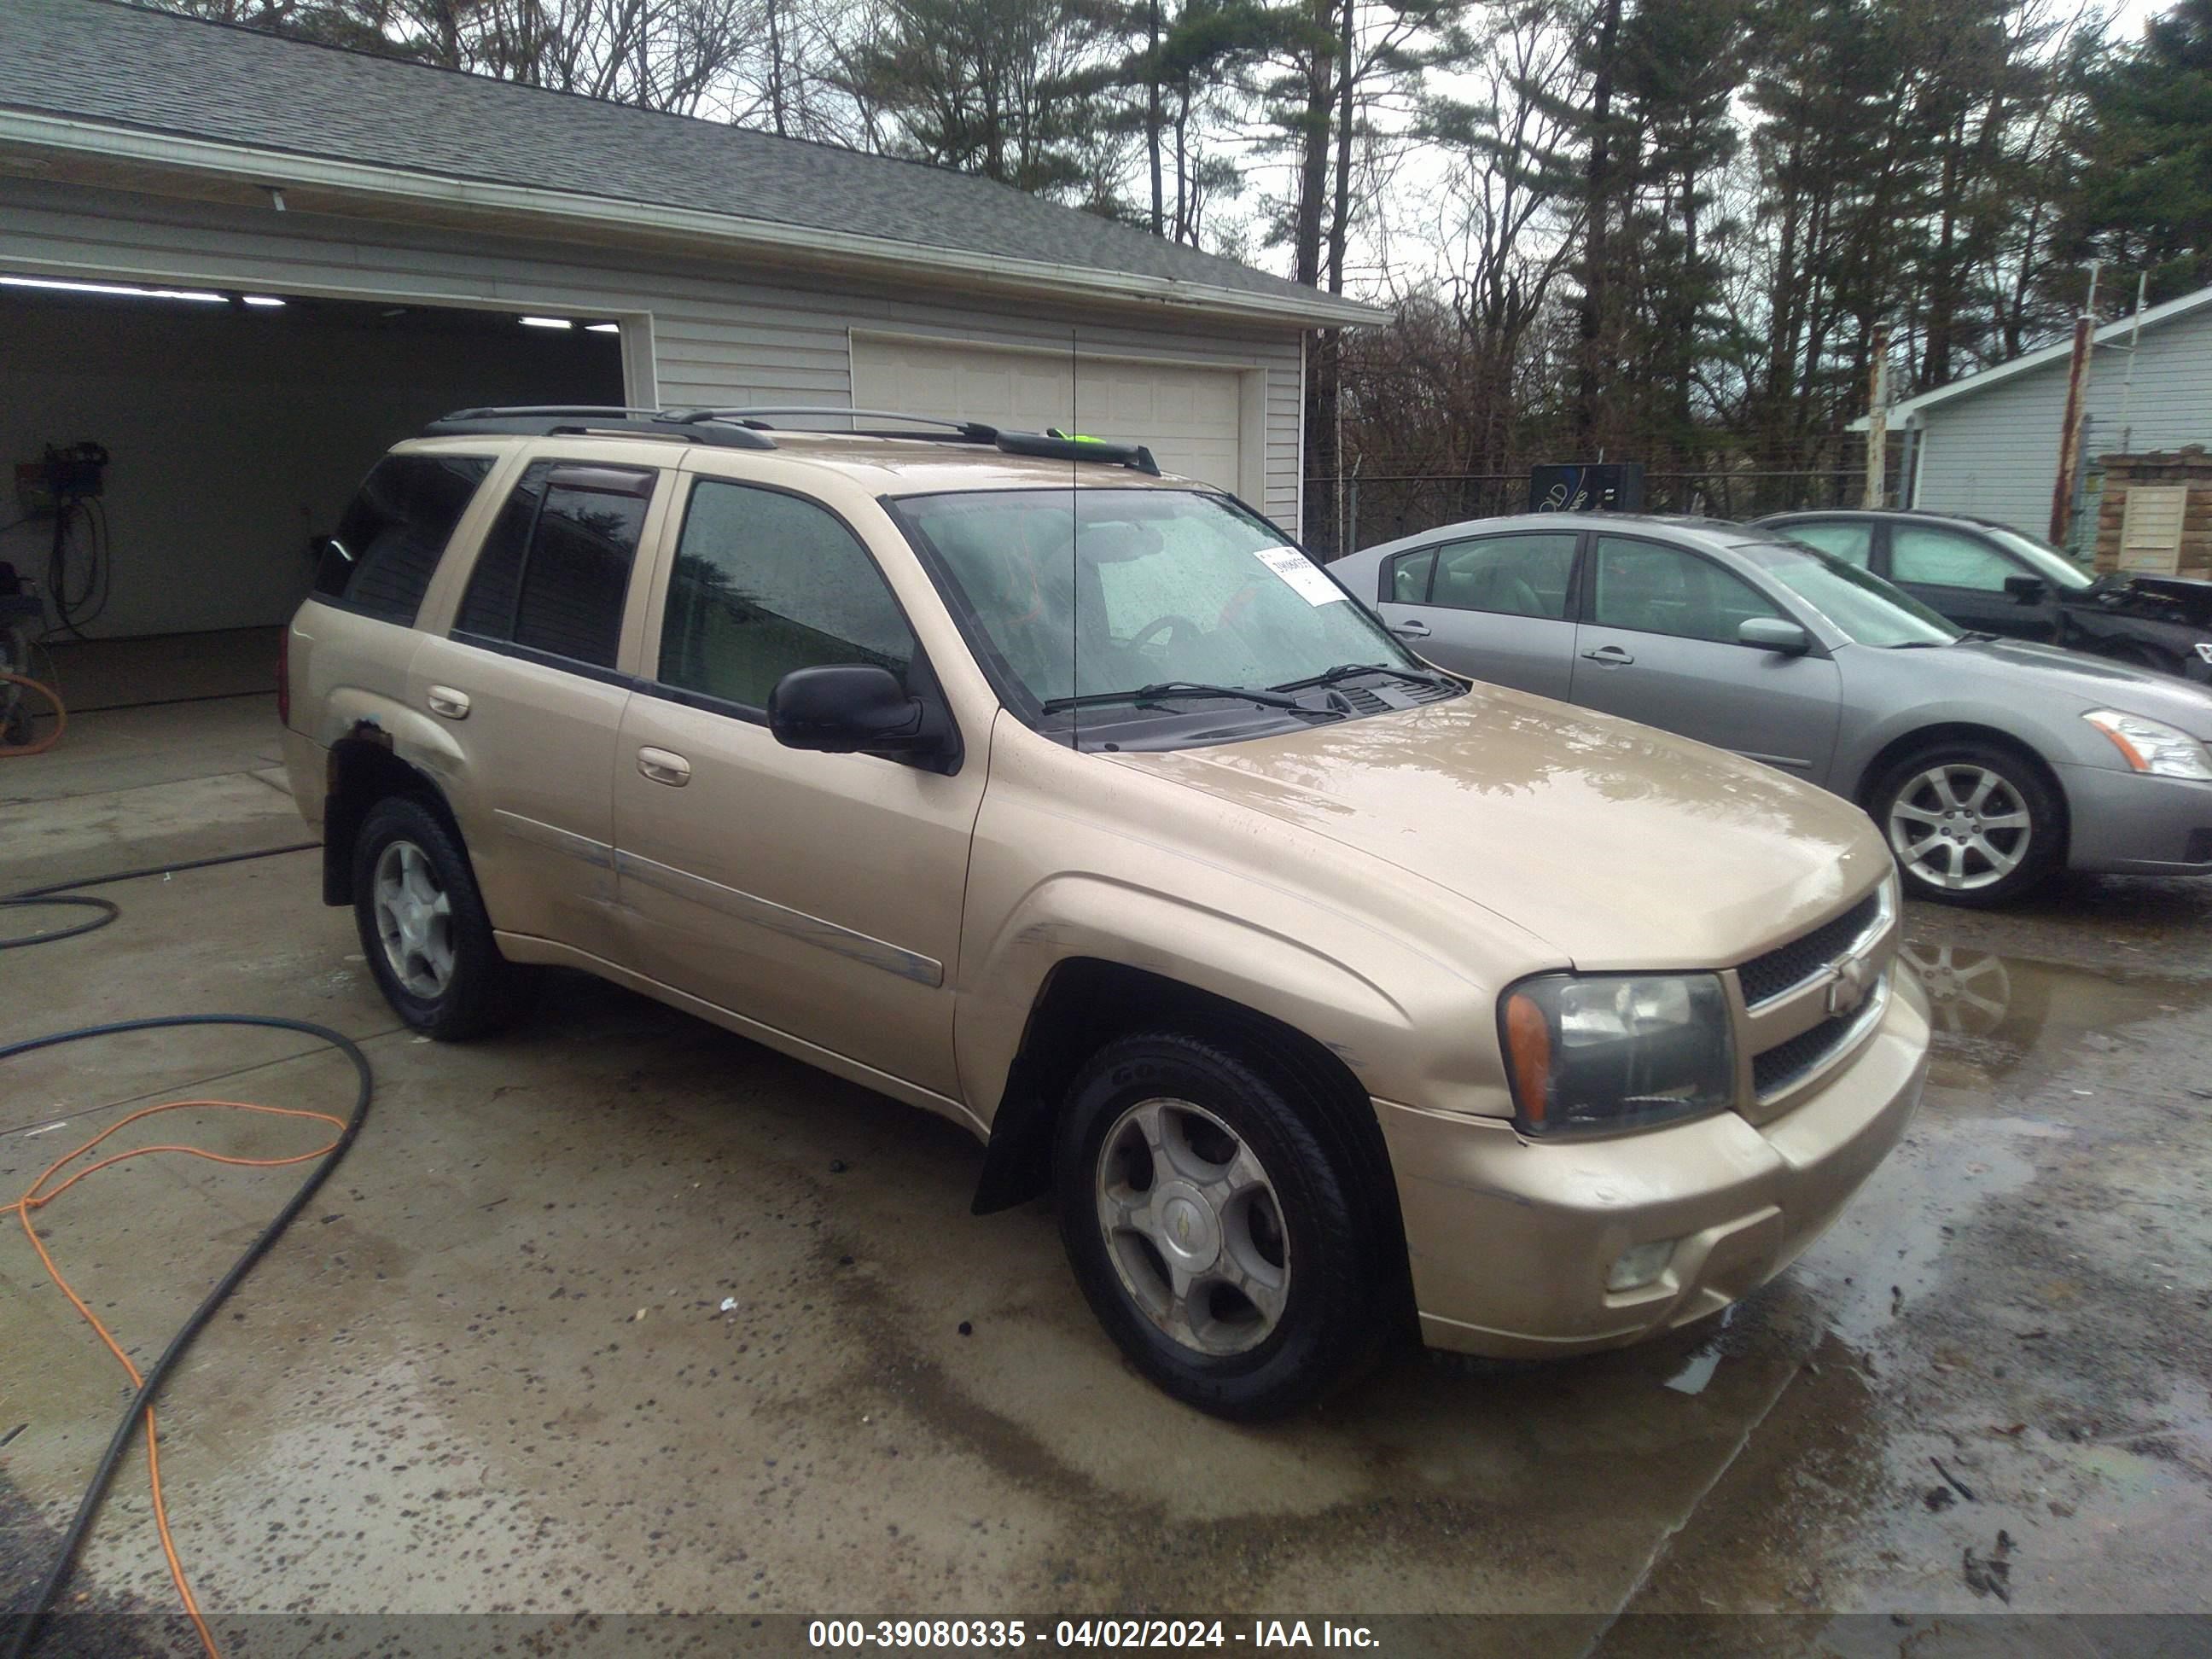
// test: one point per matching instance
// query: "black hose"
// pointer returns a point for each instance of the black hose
(88, 1507)
(31, 895)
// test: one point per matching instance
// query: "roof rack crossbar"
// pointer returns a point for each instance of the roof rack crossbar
(972, 431)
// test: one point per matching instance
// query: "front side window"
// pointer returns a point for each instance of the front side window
(1655, 589)
(1098, 591)
(388, 544)
(1859, 604)
(1933, 557)
(1523, 575)
(1851, 543)
(555, 571)
(765, 583)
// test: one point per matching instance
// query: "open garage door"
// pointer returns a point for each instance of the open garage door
(1194, 418)
(237, 427)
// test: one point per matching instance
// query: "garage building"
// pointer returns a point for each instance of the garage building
(241, 265)
(1987, 445)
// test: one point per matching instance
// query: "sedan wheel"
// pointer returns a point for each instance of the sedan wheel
(1971, 823)
(1960, 826)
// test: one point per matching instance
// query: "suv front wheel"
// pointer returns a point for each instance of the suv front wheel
(423, 927)
(1213, 1235)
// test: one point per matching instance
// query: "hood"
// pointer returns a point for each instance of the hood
(1620, 846)
(2099, 682)
(2167, 599)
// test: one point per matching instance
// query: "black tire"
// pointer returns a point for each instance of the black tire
(481, 990)
(2019, 788)
(1333, 1240)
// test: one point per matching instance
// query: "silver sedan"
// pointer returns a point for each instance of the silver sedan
(1989, 763)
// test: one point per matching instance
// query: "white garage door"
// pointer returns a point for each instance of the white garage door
(1190, 417)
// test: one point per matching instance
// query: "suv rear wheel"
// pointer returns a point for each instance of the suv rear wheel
(1211, 1230)
(422, 925)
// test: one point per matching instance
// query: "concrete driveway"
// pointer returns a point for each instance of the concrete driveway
(492, 1368)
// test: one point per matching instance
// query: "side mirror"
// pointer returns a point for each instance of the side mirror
(1773, 633)
(849, 708)
(2026, 590)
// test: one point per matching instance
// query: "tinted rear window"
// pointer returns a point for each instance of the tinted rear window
(388, 544)
(555, 571)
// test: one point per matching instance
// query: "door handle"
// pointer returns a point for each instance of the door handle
(1410, 629)
(444, 699)
(1612, 655)
(665, 766)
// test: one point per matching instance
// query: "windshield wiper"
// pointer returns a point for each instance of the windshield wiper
(1351, 669)
(1153, 694)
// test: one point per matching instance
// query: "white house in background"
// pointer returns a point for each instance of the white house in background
(1988, 445)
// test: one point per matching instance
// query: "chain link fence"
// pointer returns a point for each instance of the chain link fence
(1342, 516)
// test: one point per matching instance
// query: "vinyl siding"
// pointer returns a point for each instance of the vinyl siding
(720, 335)
(1995, 453)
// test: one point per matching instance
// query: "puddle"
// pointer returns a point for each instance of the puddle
(1991, 1012)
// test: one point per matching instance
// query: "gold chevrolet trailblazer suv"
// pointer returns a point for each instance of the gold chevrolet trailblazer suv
(1331, 995)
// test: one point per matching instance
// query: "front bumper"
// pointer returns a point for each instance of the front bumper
(1511, 1239)
(2135, 823)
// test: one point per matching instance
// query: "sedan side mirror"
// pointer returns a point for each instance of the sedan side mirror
(2026, 590)
(849, 708)
(1773, 634)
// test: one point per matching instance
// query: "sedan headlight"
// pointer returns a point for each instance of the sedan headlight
(1616, 1051)
(2153, 747)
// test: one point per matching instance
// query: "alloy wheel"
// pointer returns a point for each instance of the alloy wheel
(1960, 826)
(1193, 1226)
(415, 920)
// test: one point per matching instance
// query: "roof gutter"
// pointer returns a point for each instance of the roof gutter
(873, 255)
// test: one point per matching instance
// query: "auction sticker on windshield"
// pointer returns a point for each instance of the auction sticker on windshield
(1301, 573)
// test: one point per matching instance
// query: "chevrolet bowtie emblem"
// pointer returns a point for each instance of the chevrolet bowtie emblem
(1848, 989)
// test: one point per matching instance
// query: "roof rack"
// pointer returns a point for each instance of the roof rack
(1051, 444)
(581, 420)
(758, 414)
(748, 428)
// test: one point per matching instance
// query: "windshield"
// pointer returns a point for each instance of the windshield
(1098, 591)
(1860, 604)
(2044, 560)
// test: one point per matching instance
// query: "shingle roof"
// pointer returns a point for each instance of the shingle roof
(121, 65)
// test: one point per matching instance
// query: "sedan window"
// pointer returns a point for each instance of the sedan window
(1653, 589)
(1858, 604)
(1408, 582)
(1934, 558)
(1852, 542)
(1523, 575)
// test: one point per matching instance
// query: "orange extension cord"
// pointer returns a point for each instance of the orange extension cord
(36, 1199)
(61, 717)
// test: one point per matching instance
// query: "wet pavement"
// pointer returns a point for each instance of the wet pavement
(622, 1313)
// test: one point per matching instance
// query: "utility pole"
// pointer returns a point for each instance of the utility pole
(2069, 438)
(1877, 451)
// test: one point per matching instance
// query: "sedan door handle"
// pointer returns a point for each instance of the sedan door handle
(665, 766)
(1410, 629)
(1611, 654)
(444, 699)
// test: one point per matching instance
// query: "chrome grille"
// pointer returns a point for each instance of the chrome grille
(1763, 978)
(1788, 1064)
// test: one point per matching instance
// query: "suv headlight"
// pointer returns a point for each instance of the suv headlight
(1616, 1051)
(2151, 746)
